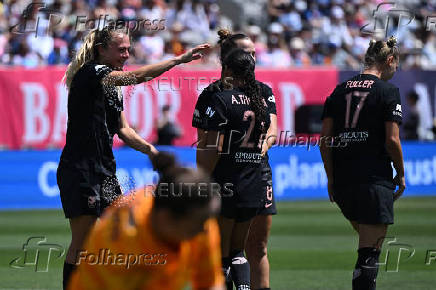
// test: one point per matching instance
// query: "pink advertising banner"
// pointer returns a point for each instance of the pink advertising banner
(33, 103)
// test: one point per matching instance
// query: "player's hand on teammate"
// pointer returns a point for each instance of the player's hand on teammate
(194, 53)
(400, 181)
(330, 189)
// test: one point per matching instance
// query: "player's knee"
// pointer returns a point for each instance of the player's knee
(256, 252)
(365, 272)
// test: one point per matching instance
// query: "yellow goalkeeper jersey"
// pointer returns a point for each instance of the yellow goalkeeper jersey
(121, 252)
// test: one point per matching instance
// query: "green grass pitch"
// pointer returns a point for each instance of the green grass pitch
(311, 247)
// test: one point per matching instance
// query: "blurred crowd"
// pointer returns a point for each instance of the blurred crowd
(293, 34)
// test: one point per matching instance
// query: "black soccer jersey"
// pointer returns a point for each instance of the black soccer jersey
(359, 108)
(94, 114)
(199, 119)
(240, 161)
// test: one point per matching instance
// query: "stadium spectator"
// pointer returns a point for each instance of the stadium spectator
(298, 53)
(59, 55)
(25, 57)
(167, 130)
(168, 233)
(276, 54)
(411, 122)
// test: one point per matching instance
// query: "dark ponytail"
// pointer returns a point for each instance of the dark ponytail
(242, 66)
(228, 41)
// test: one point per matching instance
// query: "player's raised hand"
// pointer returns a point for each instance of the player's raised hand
(400, 181)
(194, 53)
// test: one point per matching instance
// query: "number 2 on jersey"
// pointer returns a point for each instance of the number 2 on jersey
(359, 107)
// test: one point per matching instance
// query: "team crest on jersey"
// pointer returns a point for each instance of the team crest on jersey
(210, 112)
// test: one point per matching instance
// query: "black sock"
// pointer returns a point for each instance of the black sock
(68, 269)
(366, 269)
(240, 270)
(226, 262)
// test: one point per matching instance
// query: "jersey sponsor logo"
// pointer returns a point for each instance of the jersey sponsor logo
(272, 99)
(248, 157)
(210, 112)
(354, 136)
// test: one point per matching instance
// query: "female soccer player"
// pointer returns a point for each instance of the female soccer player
(232, 151)
(256, 246)
(159, 238)
(86, 173)
(364, 113)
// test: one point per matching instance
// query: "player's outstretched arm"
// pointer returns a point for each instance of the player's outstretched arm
(132, 139)
(326, 152)
(148, 72)
(393, 146)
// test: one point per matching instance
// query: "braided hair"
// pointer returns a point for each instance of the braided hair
(242, 66)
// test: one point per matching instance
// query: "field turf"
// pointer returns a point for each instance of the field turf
(311, 247)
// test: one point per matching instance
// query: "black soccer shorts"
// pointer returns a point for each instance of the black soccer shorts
(366, 203)
(85, 193)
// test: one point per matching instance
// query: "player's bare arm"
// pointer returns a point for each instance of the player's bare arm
(393, 146)
(271, 134)
(148, 72)
(208, 149)
(326, 153)
(132, 139)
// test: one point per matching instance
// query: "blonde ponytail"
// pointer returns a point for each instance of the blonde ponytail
(85, 54)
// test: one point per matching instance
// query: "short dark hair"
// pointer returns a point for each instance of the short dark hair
(179, 188)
